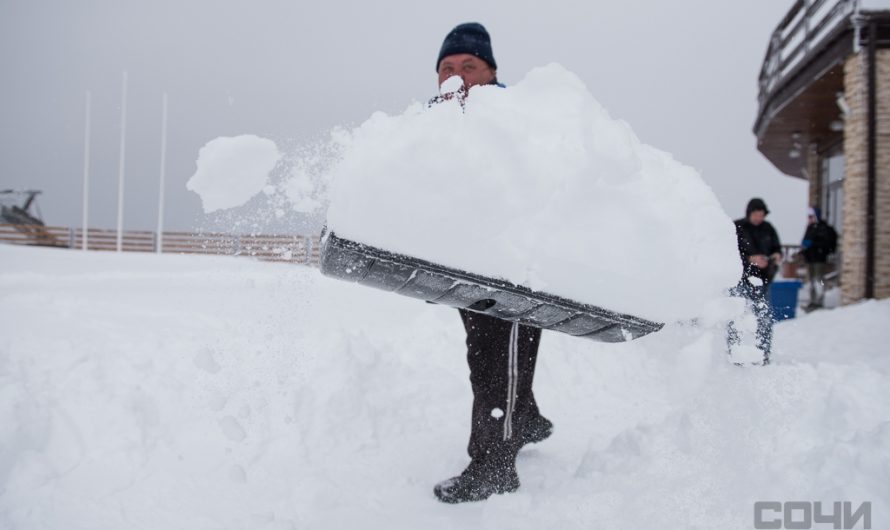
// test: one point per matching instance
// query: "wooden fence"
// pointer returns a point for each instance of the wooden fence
(286, 248)
(292, 249)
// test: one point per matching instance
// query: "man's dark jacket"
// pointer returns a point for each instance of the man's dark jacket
(753, 240)
(819, 241)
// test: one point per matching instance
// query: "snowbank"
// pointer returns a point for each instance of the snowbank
(538, 185)
(144, 391)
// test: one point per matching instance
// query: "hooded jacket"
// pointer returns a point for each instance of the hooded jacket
(757, 239)
(819, 241)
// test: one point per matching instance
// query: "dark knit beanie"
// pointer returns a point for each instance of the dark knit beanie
(756, 204)
(471, 38)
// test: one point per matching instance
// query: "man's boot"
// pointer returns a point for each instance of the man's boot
(494, 473)
(535, 430)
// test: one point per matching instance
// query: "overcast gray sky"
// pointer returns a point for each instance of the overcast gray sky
(683, 74)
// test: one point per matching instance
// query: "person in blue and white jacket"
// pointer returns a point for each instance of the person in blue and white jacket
(819, 241)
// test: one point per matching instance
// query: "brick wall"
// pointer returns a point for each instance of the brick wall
(882, 225)
(855, 168)
(814, 177)
(856, 174)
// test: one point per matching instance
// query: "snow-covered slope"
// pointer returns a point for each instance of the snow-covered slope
(165, 392)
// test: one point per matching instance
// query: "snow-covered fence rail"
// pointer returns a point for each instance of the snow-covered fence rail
(48, 236)
(287, 248)
(290, 248)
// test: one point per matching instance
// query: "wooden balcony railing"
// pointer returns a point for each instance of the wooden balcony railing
(808, 26)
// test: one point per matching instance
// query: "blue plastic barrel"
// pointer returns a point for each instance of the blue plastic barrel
(783, 298)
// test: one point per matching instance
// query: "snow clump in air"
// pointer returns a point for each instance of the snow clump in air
(231, 170)
(536, 184)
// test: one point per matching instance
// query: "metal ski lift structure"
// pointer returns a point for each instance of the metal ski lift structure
(19, 209)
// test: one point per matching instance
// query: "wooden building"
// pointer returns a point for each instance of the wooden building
(824, 116)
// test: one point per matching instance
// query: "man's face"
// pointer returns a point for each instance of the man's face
(473, 70)
(756, 217)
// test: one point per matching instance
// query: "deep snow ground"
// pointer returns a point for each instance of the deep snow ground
(143, 391)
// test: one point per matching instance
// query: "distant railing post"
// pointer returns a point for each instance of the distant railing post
(86, 172)
(807, 20)
(71, 237)
(121, 165)
(774, 60)
(857, 26)
(160, 232)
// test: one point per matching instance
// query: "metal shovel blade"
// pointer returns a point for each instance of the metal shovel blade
(356, 262)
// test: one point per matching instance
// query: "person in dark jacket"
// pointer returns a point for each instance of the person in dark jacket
(819, 241)
(761, 252)
(501, 354)
(759, 245)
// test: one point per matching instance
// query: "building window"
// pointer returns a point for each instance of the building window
(833, 189)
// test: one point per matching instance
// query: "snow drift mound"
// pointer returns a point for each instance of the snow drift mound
(538, 185)
(145, 391)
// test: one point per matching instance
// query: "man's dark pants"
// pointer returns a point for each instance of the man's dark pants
(502, 358)
(760, 306)
(815, 272)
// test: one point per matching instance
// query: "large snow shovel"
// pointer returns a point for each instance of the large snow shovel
(408, 276)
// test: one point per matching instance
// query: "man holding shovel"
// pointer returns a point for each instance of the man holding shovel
(501, 354)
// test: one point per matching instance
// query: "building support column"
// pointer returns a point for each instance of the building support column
(814, 176)
(871, 176)
(865, 267)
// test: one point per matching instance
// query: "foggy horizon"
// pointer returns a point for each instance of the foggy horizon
(684, 76)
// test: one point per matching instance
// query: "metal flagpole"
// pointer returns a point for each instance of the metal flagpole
(160, 237)
(86, 173)
(120, 181)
